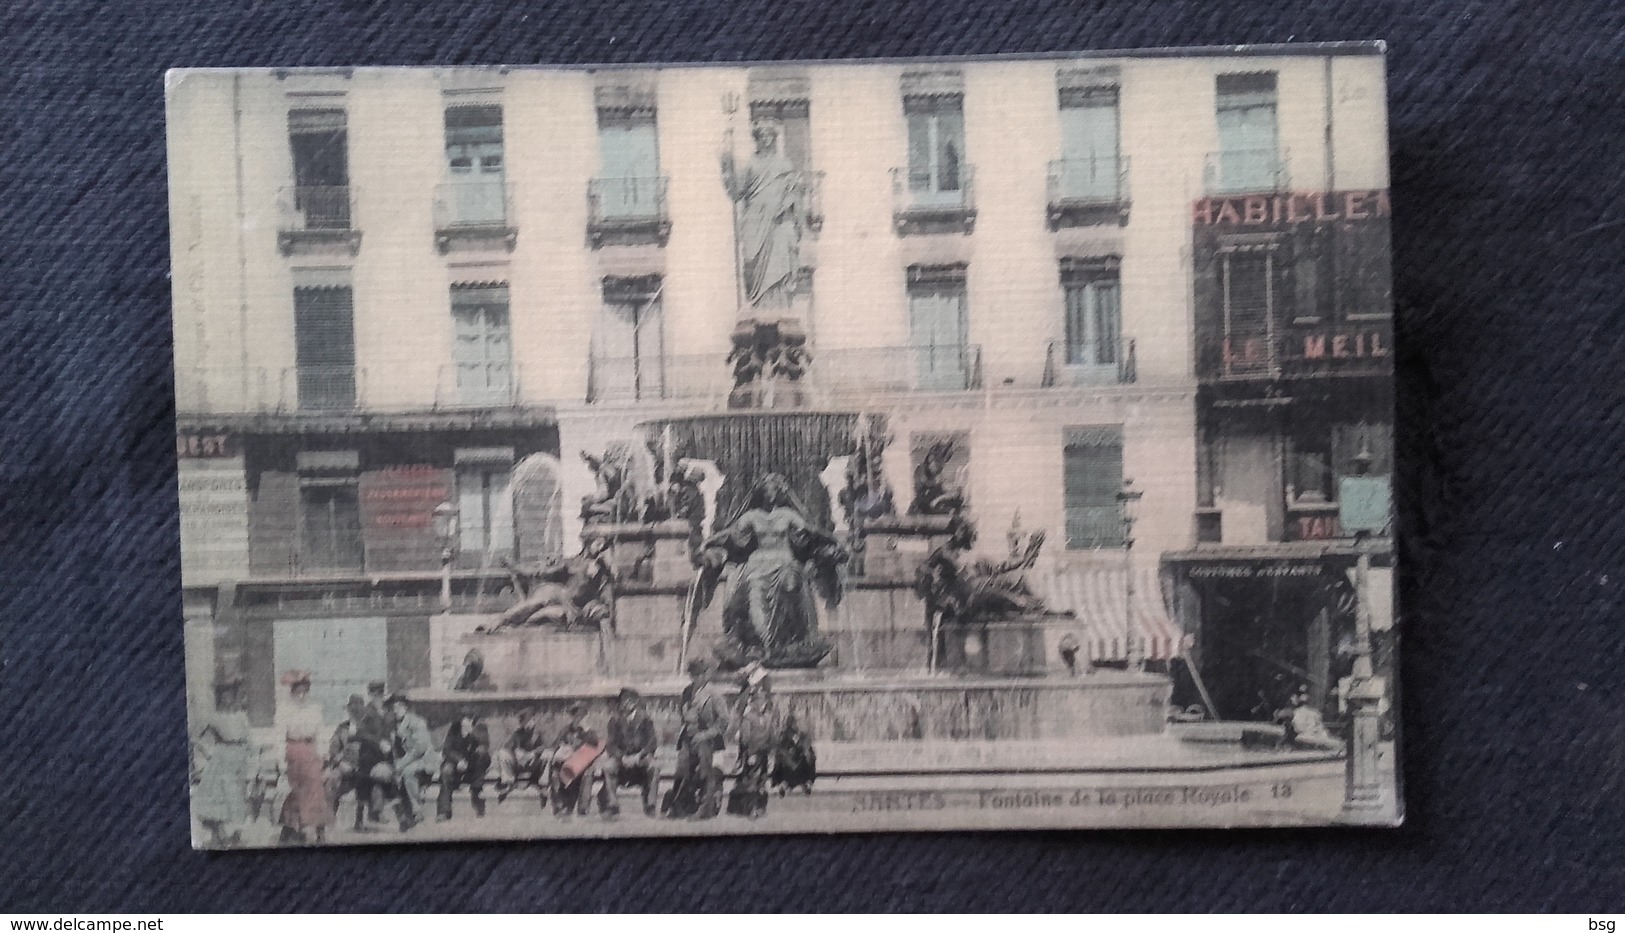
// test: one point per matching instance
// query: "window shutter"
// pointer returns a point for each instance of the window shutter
(1092, 475)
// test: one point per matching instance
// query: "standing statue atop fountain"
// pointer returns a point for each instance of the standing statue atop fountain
(615, 497)
(769, 355)
(961, 589)
(769, 215)
(780, 558)
(933, 495)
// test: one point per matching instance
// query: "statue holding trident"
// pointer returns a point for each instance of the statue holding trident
(769, 355)
(768, 221)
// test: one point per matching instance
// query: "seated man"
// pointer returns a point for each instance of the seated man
(573, 791)
(629, 758)
(696, 791)
(524, 757)
(415, 763)
(360, 745)
(465, 756)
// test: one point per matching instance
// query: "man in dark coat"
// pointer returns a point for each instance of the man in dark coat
(465, 756)
(523, 758)
(795, 762)
(356, 749)
(697, 790)
(629, 758)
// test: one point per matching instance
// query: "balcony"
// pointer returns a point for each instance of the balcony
(1245, 171)
(474, 214)
(705, 380)
(1088, 192)
(702, 379)
(1090, 364)
(627, 211)
(321, 389)
(477, 385)
(899, 369)
(317, 220)
(215, 390)
(923, 203)
(812, 200)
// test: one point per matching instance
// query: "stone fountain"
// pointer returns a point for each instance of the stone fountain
(921, 663)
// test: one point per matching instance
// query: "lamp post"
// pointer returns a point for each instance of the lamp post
(445, 531)
(1363, 502)
(1128, 505)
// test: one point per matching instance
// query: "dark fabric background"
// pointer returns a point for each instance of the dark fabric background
(1507, 185)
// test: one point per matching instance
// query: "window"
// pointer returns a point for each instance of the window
(1092, 474)
(1320, 456)
(482, 351)
(1309, 467)
(1364, 275)
(484, 505)
(1094, 326)
(628, 359)
(629, 178)
(936, 149)
(1089, 168)
(938, 327)
(321, 171)
(1248, 158)
(474, 162)
(1253, 280)
(330, 523)
(324, 338)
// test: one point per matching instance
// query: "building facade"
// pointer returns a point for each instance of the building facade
(403, 291)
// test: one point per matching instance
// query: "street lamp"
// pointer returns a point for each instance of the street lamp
(1364, 510)
(445, 532)
(1128, 505)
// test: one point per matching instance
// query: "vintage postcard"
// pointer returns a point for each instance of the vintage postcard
(786, 447)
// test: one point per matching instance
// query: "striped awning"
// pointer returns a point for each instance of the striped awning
(1099, 597)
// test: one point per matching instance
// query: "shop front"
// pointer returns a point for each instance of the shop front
(1270, 619)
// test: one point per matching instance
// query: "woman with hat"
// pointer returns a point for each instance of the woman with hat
(220, 799)
(298, 724)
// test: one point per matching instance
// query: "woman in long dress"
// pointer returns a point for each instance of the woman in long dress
(771, 614)
(299, 724)
(220, 799)
(768, 194)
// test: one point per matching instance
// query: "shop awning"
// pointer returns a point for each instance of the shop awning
(1099, 597)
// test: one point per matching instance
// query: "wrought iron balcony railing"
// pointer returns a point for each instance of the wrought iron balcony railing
(1090, 364)
(1245, 171)
(934, 202)
(938, 368)
(812, 200)
(706, 381)
(632, 209)
(1088, 191)
(215, 390)
(316, 216)
(474, 209)
(321, 388)
(477, 385)
(700, 378)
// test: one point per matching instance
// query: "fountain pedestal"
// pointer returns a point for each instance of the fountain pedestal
(896, 545)
(647, 552)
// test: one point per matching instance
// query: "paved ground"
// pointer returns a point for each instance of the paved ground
(1303, 790)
